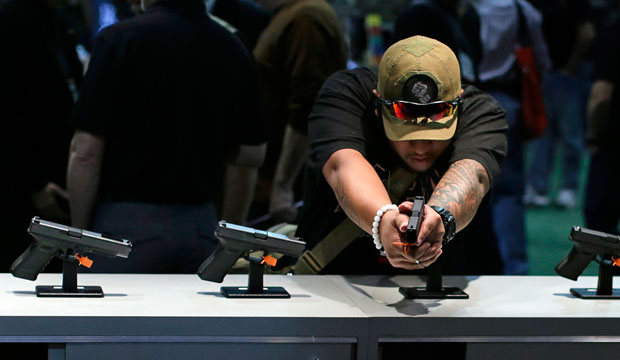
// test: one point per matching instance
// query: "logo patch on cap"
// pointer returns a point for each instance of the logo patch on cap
(420, 89)
(418, 48)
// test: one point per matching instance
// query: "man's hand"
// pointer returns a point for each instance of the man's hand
(52, 203)
(392, 230)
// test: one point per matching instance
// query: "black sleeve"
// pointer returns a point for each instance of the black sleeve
(98, 102)
(249, 127)
(481, 132)
(340, 116)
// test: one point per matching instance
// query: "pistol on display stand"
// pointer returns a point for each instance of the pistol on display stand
(587, 245)
(69, 244)
(238, 242)
(434, 288)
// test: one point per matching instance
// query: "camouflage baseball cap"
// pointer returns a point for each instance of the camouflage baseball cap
(420, 70)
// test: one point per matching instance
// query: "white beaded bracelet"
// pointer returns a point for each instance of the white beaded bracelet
(377, 220)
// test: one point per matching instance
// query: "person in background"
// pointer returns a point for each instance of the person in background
(503, 25)
(601, 211)
(168, 137)
(569, 32)
(40, 78)
(299, 49)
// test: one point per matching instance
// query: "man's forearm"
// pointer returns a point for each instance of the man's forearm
(360, 199)
(585, 36)
(292, 158)
(239, 182)
(599, 110)
(291, 161)
(83, 176)
(239, 186)
(461, 190)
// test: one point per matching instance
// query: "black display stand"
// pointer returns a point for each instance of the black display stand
(255, 287)
(604, 289)
(69, 286)
(434, 288)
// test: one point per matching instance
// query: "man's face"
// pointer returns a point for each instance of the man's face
(420, 155)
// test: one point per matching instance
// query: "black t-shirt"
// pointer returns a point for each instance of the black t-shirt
(172, 92)
(344, 117)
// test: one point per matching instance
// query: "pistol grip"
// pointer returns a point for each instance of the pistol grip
(219, 263)
(573, 265)
(32, 261)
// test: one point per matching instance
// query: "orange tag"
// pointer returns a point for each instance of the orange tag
(406, 246)
(84, 261)
(616, 261)
(269, 260)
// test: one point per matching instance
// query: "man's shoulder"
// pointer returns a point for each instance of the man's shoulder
(123, 28)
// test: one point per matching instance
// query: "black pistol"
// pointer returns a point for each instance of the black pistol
(52, 239)
(587, 244)
(415, 220)
(237, 241)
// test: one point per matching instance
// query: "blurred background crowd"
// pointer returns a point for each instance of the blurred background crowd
(566, 176)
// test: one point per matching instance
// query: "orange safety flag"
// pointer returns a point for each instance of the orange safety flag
(84, 261)
(269, 260)
(406, 246)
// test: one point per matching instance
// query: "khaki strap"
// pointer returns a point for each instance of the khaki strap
(314, 261)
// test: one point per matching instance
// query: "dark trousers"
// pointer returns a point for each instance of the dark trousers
(166, 238)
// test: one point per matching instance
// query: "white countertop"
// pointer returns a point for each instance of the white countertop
(175, 296)
(311, 297)
(489, 297)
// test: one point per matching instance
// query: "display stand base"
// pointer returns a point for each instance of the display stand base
(424, 293)
(434, 288)
(583, 293)
(58, 291)
(69, 286)
(244, 292)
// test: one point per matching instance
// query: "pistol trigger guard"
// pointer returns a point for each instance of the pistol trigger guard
(62, 255)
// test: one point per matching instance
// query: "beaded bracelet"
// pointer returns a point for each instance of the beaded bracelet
(377, 220)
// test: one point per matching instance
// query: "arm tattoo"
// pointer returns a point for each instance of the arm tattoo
(345, 204)
(461, 190)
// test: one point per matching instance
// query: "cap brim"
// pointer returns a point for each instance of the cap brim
(443, 129)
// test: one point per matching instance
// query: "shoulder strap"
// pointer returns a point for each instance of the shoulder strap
(314, 261)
